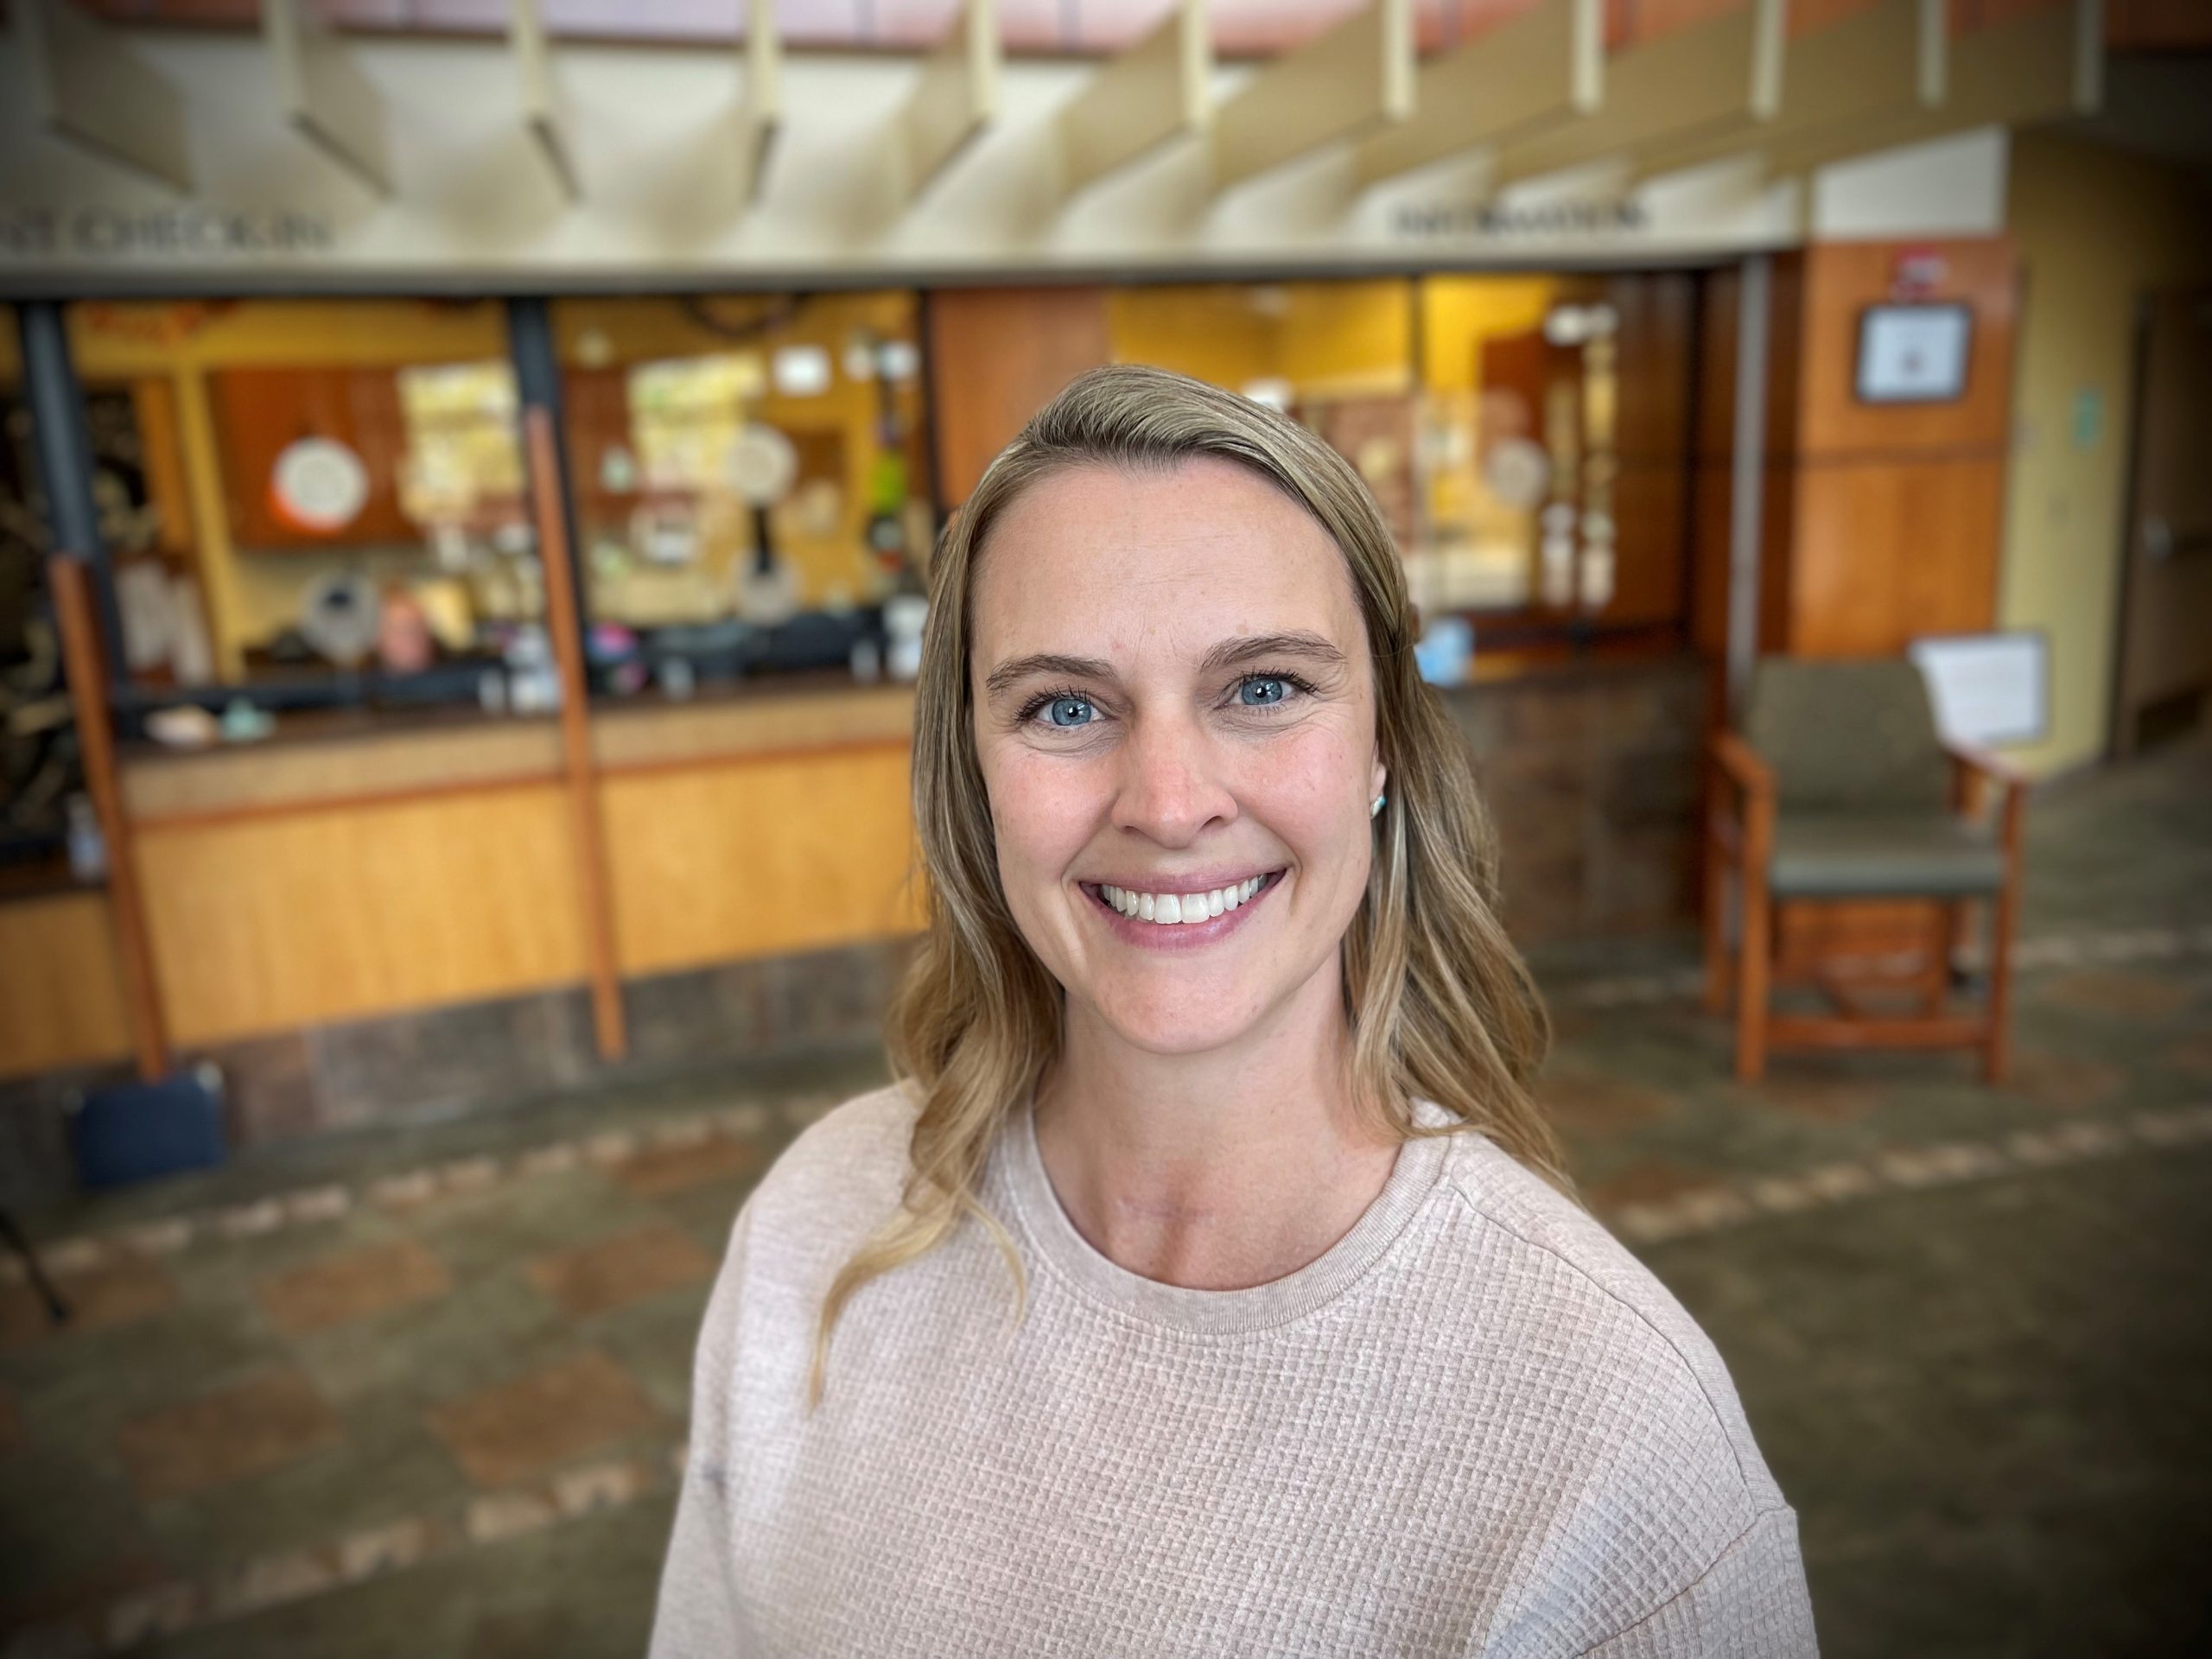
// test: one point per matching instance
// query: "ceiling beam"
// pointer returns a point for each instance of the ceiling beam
(1355, 77)
(1156, 91)
(955, 97)
(1547, 65)
(2042, 66)
(543, 112)
(1890, 60)
(1724, 71)
(324, 97)
(89, 90)
(763, 93)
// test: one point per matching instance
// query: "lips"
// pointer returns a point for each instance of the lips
(1166, 915)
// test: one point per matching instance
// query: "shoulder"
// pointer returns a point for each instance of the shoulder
(1655, 1410)
(833, 1185)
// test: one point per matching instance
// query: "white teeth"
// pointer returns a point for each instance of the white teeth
(1183, 908)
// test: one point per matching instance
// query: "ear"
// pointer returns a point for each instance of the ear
(1375, 784)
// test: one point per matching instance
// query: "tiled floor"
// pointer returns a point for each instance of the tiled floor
(420, 1393)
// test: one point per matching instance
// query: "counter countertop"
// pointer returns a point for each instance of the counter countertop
(337, 756)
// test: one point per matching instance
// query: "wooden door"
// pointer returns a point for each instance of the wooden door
(2163, 683)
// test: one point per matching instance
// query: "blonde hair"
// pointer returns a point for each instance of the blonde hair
(1439, 1003)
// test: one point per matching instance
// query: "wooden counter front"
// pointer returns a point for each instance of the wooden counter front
(341, 876)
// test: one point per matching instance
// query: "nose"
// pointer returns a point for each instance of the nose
(1172, 785)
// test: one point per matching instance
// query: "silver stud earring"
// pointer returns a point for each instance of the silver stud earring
(1376, 810)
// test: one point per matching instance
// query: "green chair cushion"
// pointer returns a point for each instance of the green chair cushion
(1861, 856)
(1847, 737)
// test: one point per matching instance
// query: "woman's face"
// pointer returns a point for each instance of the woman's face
(1175, 716)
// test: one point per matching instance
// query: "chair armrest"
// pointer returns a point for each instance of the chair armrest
(1739, 762)
(1997, 770)
(1975, 769)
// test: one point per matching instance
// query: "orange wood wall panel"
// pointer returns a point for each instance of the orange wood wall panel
(1886, 551)
(1842, 280)
(259, 411)
(60, 988)
(759, 856)
(997, 355)
(270, 923)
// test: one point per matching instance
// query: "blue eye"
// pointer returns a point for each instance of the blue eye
(1069, 711)
(1262, 691)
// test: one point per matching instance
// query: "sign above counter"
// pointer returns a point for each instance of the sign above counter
(674, 184)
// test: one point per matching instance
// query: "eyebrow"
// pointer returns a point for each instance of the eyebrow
(1244, 649)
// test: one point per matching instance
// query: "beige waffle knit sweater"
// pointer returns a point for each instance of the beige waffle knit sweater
(1475, 1426)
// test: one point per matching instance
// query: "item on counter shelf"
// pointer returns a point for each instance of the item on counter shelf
(318, 485)
(903, 617)
(446, 609)
(491, 691)
(87, 846)
(1518, 471)
(247, 722)
(1445, 653)
(147, 607)
(665, 534)
(533, 682)
(338, 617)
(614, 648)
(818, 508)
(676, 678)
(617, 470)
(403, 645)
(185, 727)
(865, 661)
(763, 467)
(192, 654)
(801, 371)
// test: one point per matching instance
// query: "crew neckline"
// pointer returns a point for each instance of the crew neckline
(1412, 1177)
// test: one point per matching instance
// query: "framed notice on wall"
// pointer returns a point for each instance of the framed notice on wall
(1913, 354)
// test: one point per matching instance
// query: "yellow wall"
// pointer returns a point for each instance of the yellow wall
(1341, 338)
(2095, 228)
(1460, 313)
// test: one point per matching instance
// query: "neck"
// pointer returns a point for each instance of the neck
(1216, 1171)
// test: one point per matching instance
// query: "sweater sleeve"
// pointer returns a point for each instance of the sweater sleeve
(1751, 1603)
(697, 1615)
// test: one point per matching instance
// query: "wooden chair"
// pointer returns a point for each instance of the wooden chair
(1840, 790)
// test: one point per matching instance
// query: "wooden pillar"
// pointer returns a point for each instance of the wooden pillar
(86, 664)
(563, 623)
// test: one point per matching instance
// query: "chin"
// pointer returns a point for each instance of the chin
(1174, 1019)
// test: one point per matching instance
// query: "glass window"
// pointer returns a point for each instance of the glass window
(749, 475)
(315, 500)
(1554, 447)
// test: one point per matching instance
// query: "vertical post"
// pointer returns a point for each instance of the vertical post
(1747, 474)
(82, 661)
(537, 384)
(563, 624)
(65, 462)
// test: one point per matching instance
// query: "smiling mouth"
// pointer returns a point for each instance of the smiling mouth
(1180, 909)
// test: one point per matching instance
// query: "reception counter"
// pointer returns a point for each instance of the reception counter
(364, 917)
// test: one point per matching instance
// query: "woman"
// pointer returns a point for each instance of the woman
(1208, 1284)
